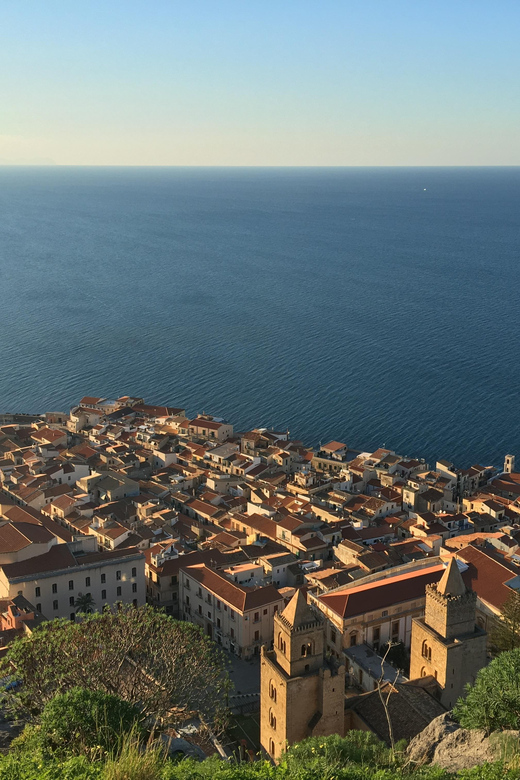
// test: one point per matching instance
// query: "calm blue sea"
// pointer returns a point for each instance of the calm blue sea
(374, 306)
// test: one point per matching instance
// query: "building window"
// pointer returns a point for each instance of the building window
(225, 607)
(118, 575)
(209, 614)
(265, 611)
(272, 720)
(200, 609)
(271, 747)
(134, 572)
(55, 604)
(232, 614)
(87, 582)
(103, 594)
(232, 633)
(272, 691)
(103, 578)
(333, 637)
(38, 607)
(395, 631)
(353, 639)
(218, 622)
(257, 636)
(134, 587)
(71, 601)
(118, 593)
(256, 617)
(37, 592)
(188, 600)
(71, 584)
(54, 588)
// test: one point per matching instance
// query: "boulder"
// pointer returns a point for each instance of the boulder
(422, 747)
(463, 749)
(447, 745)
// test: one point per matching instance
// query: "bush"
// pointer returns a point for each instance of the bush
(81, 722)
(359, 747)
(493, 702)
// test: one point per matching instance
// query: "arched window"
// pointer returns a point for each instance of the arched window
(272, 691)
(272, 720)
(271, 747)
(423, 672)
(429, 654)
(353, 638)
(304, 650)
(424, 650)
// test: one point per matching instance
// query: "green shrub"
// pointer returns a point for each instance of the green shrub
(81, 722)
(493, 702)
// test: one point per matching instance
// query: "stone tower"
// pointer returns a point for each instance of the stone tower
(446, 643)
(509, 464)
(302, 694)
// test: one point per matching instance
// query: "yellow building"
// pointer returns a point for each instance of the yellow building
(302, 694)
(446, 642)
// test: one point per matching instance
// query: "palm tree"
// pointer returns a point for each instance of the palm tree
(84, 603)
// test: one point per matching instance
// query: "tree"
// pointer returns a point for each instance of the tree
(85, 603)
(506, 634)
(493, 702)
(167, 668)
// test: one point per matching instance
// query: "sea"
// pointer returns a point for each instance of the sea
(374, 306)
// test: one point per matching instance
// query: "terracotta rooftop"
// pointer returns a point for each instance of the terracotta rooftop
(238, 596)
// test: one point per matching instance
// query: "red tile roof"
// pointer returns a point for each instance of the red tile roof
(238, 596)
(383, 593)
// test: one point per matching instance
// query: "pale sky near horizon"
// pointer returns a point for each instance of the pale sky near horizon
(260, 82)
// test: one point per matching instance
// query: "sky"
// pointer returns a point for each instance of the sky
(260, 82)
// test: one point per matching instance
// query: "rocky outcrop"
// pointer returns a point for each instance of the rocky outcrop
(449, 746)
(422, 747)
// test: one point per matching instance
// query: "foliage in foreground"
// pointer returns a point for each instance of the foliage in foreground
(359, 756)
(165, 667)
(81, 722)
(493, 702)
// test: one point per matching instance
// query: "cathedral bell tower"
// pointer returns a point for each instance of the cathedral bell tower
(446, 643)
(302, 694)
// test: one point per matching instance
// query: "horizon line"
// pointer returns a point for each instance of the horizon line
(172, 165)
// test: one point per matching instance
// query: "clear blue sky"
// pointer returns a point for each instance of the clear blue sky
(260, 82)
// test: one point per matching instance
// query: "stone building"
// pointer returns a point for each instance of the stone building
(446, 642)
(302, 694)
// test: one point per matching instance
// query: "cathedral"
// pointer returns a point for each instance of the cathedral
(446, 642)
(302, 694)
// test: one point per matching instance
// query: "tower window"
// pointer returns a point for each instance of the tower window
(272, 691)
(272, 720)
(271, 747)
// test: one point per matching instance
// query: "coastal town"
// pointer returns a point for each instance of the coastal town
(311, 564)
